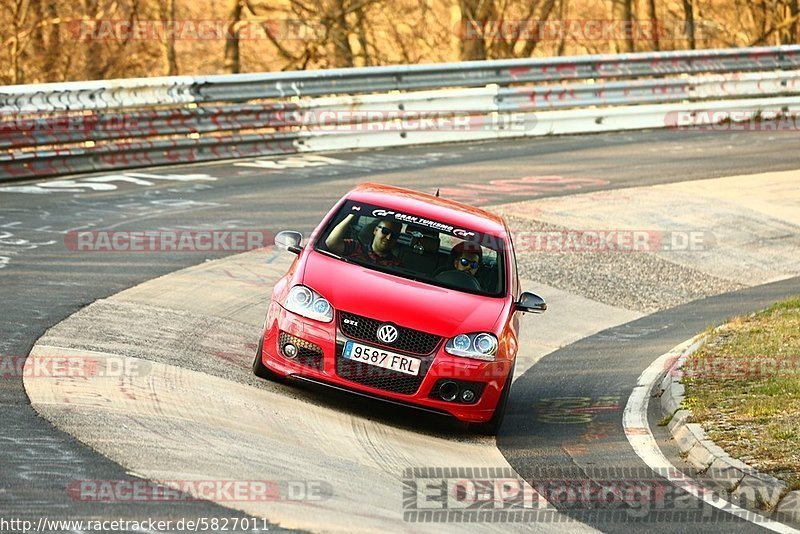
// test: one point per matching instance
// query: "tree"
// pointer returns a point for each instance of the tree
(494, 29)
(53, 40)
(622, 17)
(18, 40)
(688, 13)
(233, 63)
(170, 59)
(478, 17)
(654, 23)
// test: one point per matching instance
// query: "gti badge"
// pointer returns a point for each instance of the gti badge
(387, 333)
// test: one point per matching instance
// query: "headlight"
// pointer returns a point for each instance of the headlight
(462, 343)
(308, 303)
(481, 346)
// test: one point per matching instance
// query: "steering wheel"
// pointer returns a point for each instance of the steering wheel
(459, 279)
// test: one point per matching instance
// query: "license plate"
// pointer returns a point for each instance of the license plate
(381, 358)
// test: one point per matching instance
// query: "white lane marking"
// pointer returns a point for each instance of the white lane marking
(71, 185)
(174, 177)
(637, 430)
(102, 183)
(35, 190)
(117, 178)
(292, 162)
(11, 245)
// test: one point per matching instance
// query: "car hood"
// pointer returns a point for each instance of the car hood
(384, 297)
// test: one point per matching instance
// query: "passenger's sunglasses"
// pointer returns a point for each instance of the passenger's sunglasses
(464, 262)
(388, 232)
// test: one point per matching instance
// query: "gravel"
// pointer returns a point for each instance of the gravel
(639, 281)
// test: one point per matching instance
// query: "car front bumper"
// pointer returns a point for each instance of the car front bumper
(320, 360)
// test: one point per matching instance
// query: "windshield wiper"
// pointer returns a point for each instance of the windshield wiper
(332, 255)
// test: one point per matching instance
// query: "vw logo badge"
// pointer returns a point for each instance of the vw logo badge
(387, 333)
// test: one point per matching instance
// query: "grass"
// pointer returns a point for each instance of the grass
(743, 386)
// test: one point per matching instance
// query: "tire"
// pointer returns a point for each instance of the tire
(261, 370)
(490, 427)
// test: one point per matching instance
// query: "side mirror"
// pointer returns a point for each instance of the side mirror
(530, 303)
(289, 240)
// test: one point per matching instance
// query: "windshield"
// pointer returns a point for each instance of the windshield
(414, 247)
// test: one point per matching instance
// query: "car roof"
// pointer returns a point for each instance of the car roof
(430, 206)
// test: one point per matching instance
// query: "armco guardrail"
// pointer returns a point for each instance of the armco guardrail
(56, 129)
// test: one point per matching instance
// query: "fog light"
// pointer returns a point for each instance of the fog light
(290, 351)
(467, 395)
(448, 391)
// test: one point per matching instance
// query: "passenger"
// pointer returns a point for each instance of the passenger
(384, 237)
(467, 257)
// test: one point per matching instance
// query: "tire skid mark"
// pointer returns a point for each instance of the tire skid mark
(210, 406)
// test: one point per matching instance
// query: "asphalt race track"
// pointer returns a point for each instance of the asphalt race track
(582, 361)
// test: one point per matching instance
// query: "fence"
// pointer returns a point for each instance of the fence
(57, 129)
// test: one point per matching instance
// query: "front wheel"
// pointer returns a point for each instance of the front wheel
(261, 370)
(490, 427)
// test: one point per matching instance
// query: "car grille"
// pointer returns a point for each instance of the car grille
(366, 329)
(308, 354)
(378, 377)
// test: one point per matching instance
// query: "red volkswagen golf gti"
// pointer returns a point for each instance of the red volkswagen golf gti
(405, 297)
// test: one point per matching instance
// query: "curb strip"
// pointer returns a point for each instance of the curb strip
(732, 478)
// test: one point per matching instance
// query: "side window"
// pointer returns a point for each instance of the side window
(448, 241)
(489, 274)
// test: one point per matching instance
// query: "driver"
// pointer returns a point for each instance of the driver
(384, 237)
